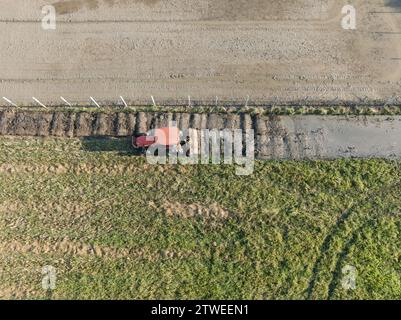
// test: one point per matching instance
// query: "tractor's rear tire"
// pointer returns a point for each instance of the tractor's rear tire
(148, 153)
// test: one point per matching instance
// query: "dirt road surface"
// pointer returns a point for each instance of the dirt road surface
(226, 50)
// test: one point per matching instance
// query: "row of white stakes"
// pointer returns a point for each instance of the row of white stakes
(97, 104)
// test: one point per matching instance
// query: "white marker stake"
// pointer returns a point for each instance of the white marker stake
(10, 102)
(153, 99)
(189, 101)
(66, 101)
(40, 103)
(94, 101)
(247, 100)
(122, 99)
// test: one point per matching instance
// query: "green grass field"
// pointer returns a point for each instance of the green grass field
(114, 226)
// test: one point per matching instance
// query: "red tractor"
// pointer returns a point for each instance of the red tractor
(168, 137)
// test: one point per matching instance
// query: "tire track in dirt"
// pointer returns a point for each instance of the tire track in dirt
(80, 168)
(334, 233)
(212, 214)
(368, 41)
(348, 245)
(77, 248)
(72, 6)
(17, 215)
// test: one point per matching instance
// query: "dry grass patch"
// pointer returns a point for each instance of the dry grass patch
(209, 213)
(67, 246)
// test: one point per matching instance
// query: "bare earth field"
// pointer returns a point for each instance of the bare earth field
(286, 51)
(114, 226)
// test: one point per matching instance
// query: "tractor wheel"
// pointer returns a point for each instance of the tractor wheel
(155, 153)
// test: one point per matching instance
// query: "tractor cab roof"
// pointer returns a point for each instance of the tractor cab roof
(167, 136)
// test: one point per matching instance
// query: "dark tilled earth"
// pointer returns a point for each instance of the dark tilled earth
(276, 137)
